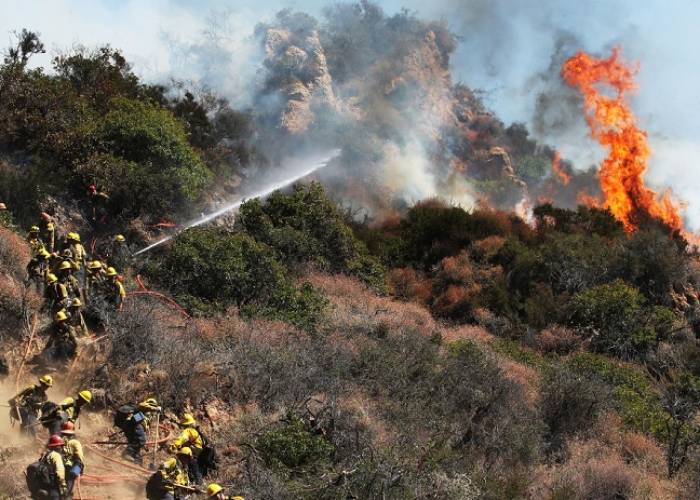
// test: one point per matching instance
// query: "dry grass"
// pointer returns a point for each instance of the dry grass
(409, 284)
(557, 339)
(612, 463)
(356, 308)
(14, 254)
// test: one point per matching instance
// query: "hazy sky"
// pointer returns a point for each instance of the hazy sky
(505, 45)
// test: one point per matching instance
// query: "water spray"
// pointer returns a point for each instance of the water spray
(260, 193)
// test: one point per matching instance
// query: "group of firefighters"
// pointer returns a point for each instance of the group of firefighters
(60, 267)
(64, 460)
(62, 270)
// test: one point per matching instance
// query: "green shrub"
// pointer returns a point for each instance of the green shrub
(618, 320)
(306, 227)
(148, 159)
(209, 269)
(636, 400)
(432, 231)
(293, 446)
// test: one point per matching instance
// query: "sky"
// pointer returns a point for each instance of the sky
(506, 50)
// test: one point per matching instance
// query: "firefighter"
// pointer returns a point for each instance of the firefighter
(48, 232)
(77, 249)
(192, 438)
(26, 405)
(118, 252)
(216, 492)
(66, 277)
(37, 268)
(98, 199)
(135, 426)
(76, 318)
(62, 343)
(94, 279)
(174, 473)
(35, 243)
(115, 289)
(67, 410)
(58, 489)
(56, 293)
(73, 456)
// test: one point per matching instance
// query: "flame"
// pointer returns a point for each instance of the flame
(614, 126)
(557, 168)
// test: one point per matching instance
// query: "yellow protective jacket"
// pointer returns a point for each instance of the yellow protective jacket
(174, 473)
(70, 407)
(56, 292)
(48, 234)
(188, 437)
(71, 283)
(73, 453)
(35, 245)
(79, 254)
(56, 461)
(31, 398)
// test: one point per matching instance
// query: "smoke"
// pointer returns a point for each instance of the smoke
(510, 50)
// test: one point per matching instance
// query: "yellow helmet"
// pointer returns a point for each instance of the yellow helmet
(34, 229)
(76, 302)
(149, 405)
(214, 489)
(51, 278)
(111, 271)
(60, 316)
(46, 380)
(185, 450)
(187, 420)
(74, 237)
(69, 401)
(65, 265)
(120, 238)
(95, 264)
(85, 396)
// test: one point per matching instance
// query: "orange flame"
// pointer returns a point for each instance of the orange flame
(614, 126)
(564, 176)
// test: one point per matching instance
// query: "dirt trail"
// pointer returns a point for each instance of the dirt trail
(107, 475)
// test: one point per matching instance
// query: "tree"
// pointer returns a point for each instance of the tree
(28, 44)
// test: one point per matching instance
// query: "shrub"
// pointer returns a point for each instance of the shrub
(617, 320)
(148, 166)
(569, 404)
(432, 231)
(306, 227)
(210, 269)
(408, 284)
(293, 446)
(14, 254)
(558, 340)
(634, 397)
(458, 285)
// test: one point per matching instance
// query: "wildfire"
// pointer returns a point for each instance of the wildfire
(557, 168)
(614, 126)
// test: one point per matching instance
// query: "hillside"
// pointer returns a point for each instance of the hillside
(408, 350)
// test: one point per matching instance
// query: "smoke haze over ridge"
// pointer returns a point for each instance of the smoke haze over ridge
(509, 49)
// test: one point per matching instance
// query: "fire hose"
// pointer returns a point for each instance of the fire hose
(160, 296)
(159, 440)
